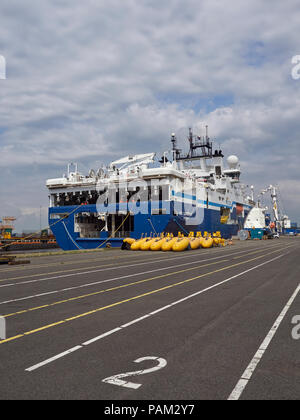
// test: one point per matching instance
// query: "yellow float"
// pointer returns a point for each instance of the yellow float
(181, 244)
(129, 241)
(145, 246)
(137, 244)
(157, 244)
(168, 244)
(216, 241)
(195, 243)
(207, 242)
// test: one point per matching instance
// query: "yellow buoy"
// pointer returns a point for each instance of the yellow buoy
(216, 241)
(145, 246)
(137, 244)
(181, 244)
(168, 244)
(195, 243)
(207, 242)
(157, 244)
(129, 241)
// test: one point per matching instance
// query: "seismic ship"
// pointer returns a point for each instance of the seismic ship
(143, 195)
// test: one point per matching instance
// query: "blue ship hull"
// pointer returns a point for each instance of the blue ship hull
(144, 224)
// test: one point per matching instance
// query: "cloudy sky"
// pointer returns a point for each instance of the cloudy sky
(95, 80)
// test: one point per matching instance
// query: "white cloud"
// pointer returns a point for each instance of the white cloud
(89, 81)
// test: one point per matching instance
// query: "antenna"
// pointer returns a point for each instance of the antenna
(190, 138)
(175, 150)
(252, 192)
(173, 141)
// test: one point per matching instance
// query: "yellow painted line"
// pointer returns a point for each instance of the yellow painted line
(256, 252)
(112, 289)
(11, 338)
(98, 266)
(75, 269)
(33, 267)
(43, 328)
(134, 298)
(118, 287)
(56, 272)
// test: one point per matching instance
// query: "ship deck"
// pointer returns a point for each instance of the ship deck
(216, 323)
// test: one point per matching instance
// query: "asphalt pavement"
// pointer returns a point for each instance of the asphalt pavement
(212, 324)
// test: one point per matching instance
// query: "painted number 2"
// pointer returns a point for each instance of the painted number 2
(117, 379)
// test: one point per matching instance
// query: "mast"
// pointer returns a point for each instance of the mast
(276, 213)
(175, 150)
(202, 143)
(274, 201)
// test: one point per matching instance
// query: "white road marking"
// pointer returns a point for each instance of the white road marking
(104, 281)
(115, 379)
(54, 358)
(93, 340)
(101, 336)
(124, 266)
(90, 272)
(245, 378)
